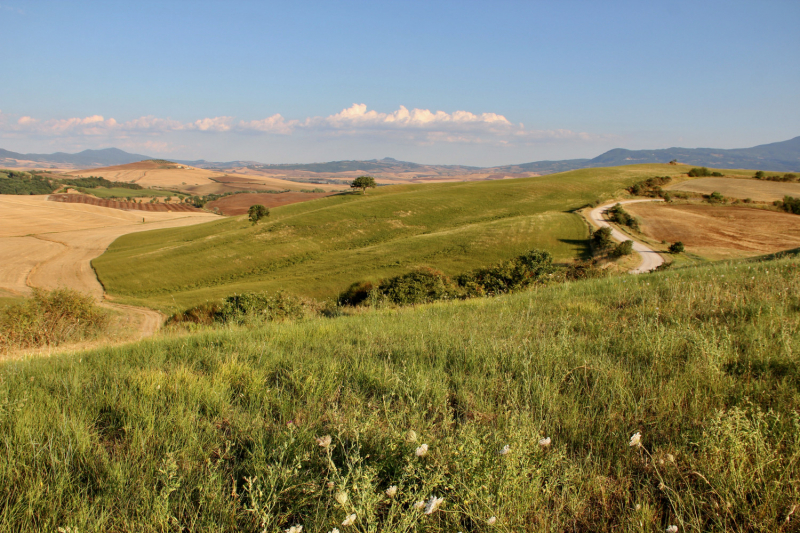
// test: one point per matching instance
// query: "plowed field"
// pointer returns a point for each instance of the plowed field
(238, 204)
(128, 206)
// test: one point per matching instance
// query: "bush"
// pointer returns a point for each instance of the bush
(257, 212)
(51, 318)
(356, 293)
(676, 248)
(621, 249)
(790, 205)
(650, 187)
(759, 175)
(620, 216)
(601, 239)
(421, 285)
(260, 307)
(716, 197)
(579, 270)
(699, 172)
(508, 276)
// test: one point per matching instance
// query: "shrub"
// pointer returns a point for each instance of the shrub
(601, 239)
(790, 205)
(257, 212)
(508, 276)
(699, 172)
(620, 216)
(650, 187)
(260, 307)
(356, 293)
(759, 175)
(579, 270)
(421, 285)
(676, 248)
(716, 197)
(621, 249)
(51, 318)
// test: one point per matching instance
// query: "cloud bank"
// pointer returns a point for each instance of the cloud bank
(421, 126)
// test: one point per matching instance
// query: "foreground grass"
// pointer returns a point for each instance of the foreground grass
(319, 248)
(216, 431)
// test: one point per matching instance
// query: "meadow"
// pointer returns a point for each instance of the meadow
(521, 412)
(319, 248)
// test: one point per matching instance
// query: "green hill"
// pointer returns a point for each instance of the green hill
(216, 431)
(318, 248)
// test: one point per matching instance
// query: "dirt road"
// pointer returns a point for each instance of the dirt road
(50, 244)
(650, 258)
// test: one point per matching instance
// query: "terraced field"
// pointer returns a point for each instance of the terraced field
(318, 248)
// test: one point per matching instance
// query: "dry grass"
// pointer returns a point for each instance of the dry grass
(760, 191)
(719, 232)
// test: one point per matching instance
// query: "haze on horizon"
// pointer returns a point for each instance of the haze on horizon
(431, 82)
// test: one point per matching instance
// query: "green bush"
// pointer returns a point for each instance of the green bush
(601, 239)
(620, 216)
(421, 285)
(790, 205)
(93, 182)
(651, 187)
(699, 172)
(50, 318)
(508, 276)
(256, 307)
(257, 212)
(356, 293)
(676, 248)
(19, 183)
(621, 249)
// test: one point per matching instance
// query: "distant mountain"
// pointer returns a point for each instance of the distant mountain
(780, 156)
(88, 158)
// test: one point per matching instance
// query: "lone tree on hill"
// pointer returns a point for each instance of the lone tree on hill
(362, 182)
(676, 247)
(601, 239)
(257, 212)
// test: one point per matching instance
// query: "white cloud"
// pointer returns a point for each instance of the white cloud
(421, 126)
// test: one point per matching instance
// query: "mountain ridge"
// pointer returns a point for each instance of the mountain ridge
(778, 156)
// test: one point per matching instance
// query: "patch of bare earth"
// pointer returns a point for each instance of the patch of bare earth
(238, 204)
(719, 232)
(758, 190)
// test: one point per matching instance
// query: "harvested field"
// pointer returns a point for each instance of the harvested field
(719, 232)
(758, 190)
(238, 204)
(51, 244)
(127, 206)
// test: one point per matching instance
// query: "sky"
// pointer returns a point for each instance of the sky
(476, 83)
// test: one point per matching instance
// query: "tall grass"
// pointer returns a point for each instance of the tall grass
(216, 431)
(50, 318)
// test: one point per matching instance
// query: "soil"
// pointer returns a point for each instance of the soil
(128, 206)
(758, 190)
(238, 204)
(719, 232)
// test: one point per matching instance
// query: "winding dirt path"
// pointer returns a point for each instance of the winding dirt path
(51, 244)
(650, 258)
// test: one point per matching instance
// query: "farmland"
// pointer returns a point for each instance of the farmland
(320, 247)
(758, 190)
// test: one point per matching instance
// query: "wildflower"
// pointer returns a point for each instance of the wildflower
(411, 436)
(670, 458)
(420, 505)
(330, 484)
(492, 521)
(638, 506)
(392, 491)
(334, 530)
(433, 505)
(545, 443)
(672, 529)
(505, 450)
(422, 451)
(294, 529)
(636, 440)
(341, 497)
(324, 442)
(350, 520)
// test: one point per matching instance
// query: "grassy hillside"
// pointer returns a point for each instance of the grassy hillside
(318, 248)
(216, 431)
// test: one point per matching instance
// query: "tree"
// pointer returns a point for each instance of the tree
(257, 212)
(362, 182)
(676, 248)
(601, 239)
(759, 175)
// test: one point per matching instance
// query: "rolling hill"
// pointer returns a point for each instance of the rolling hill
(318, 248)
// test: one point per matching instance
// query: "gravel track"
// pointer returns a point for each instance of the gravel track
(650, 258)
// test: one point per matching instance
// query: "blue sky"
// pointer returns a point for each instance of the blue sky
(478, 83)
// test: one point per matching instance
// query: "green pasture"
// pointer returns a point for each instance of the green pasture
(318, 248)
(215, 431)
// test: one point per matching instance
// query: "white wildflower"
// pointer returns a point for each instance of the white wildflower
(505, 450)
(334, 530)
(421, 451)
(420, 505)
(392, 491)
(350, 520)
(341, 497)
(324, 442)
(638, 507)
(294, 529)
(411, 436)
(636, 440)
(545, 443)
(670, 458)
(492, 521)
(433, 505)
(330, 484)
(672, 529)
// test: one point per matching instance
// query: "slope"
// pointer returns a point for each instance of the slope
(320, 247)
